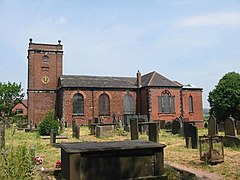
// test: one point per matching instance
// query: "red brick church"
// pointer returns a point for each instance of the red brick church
(85, 98)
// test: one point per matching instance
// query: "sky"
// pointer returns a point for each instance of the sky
(189, 41)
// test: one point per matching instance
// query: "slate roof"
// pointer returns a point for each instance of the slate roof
(152, 79)
(97, 81)
(156, 79)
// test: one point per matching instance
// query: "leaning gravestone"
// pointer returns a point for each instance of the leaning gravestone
(212, 130)
(238, 127)
(176, 125)
(229, 127)
(192, 133)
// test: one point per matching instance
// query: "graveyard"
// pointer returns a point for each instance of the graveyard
(177, 156)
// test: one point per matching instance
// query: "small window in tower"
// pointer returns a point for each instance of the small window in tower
(45, 58)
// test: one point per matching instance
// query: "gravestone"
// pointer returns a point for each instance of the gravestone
(134, 129)
(212, 130)
(77, 131)
(153, 132)
(176, 125)
(73, 127)
(192, 132)
(221, 127)
(2, 134)
(229, 127)
(31, 125)
(162, 124)
(98, 130)
(53, 135)
(238, 127)
(19, 123)
(168, 125)
(66, 124)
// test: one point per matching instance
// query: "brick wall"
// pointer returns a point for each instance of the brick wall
(91, 104)
(197, 114)
(155, 93)
(40, 103)
(42, 94)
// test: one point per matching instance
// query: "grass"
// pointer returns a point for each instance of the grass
(175, 150)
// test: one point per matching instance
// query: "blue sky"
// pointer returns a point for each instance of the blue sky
(189, 41)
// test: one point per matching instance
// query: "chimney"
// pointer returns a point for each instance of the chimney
(139, 79)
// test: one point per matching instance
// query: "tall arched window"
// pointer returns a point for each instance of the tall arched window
(104, 105)
(78, 104)
(166, 102)
(190, 103)
(128, 104)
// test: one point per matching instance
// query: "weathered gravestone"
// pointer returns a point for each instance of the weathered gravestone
(238, 127)
(77, 131)
(98, 131)
(176, 125)
(53, 135)
(134, 129)
(162, 124)
(191, 134)
(212, 130)
(229, 127)
(168, 126)
(221, 127)
(73, 127)
(2, 134)
(153, 132)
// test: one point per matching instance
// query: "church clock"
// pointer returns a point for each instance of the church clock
(45, 79)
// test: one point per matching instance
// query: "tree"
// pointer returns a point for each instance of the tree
(10, 94)
(225, 98)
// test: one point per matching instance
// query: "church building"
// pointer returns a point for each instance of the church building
(85, 98)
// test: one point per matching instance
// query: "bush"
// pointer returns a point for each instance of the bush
(48, 123)
(17, 163)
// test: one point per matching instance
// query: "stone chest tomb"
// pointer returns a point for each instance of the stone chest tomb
(112, 160)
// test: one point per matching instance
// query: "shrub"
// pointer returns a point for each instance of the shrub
(17, 163)
(48, 123)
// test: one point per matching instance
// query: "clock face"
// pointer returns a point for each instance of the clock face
(45, 79)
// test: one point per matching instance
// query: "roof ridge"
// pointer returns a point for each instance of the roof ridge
(154, 72)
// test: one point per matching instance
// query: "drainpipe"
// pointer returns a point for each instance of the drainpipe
(181, 102)
(139, 85)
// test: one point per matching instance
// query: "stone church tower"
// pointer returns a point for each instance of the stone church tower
(44, 70)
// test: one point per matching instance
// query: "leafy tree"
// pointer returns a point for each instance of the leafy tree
(225, 98)
(48, 123)
(10, 95)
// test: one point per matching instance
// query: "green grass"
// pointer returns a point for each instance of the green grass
(175, 150)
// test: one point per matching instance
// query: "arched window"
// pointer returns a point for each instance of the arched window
(45, 58)
(128, 104)
(166, 102)
(104, 105)
(190, 103)
(78, 104)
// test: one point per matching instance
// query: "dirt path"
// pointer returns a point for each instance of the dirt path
(199, 174)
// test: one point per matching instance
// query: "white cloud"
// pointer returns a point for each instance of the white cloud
(216, 19)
